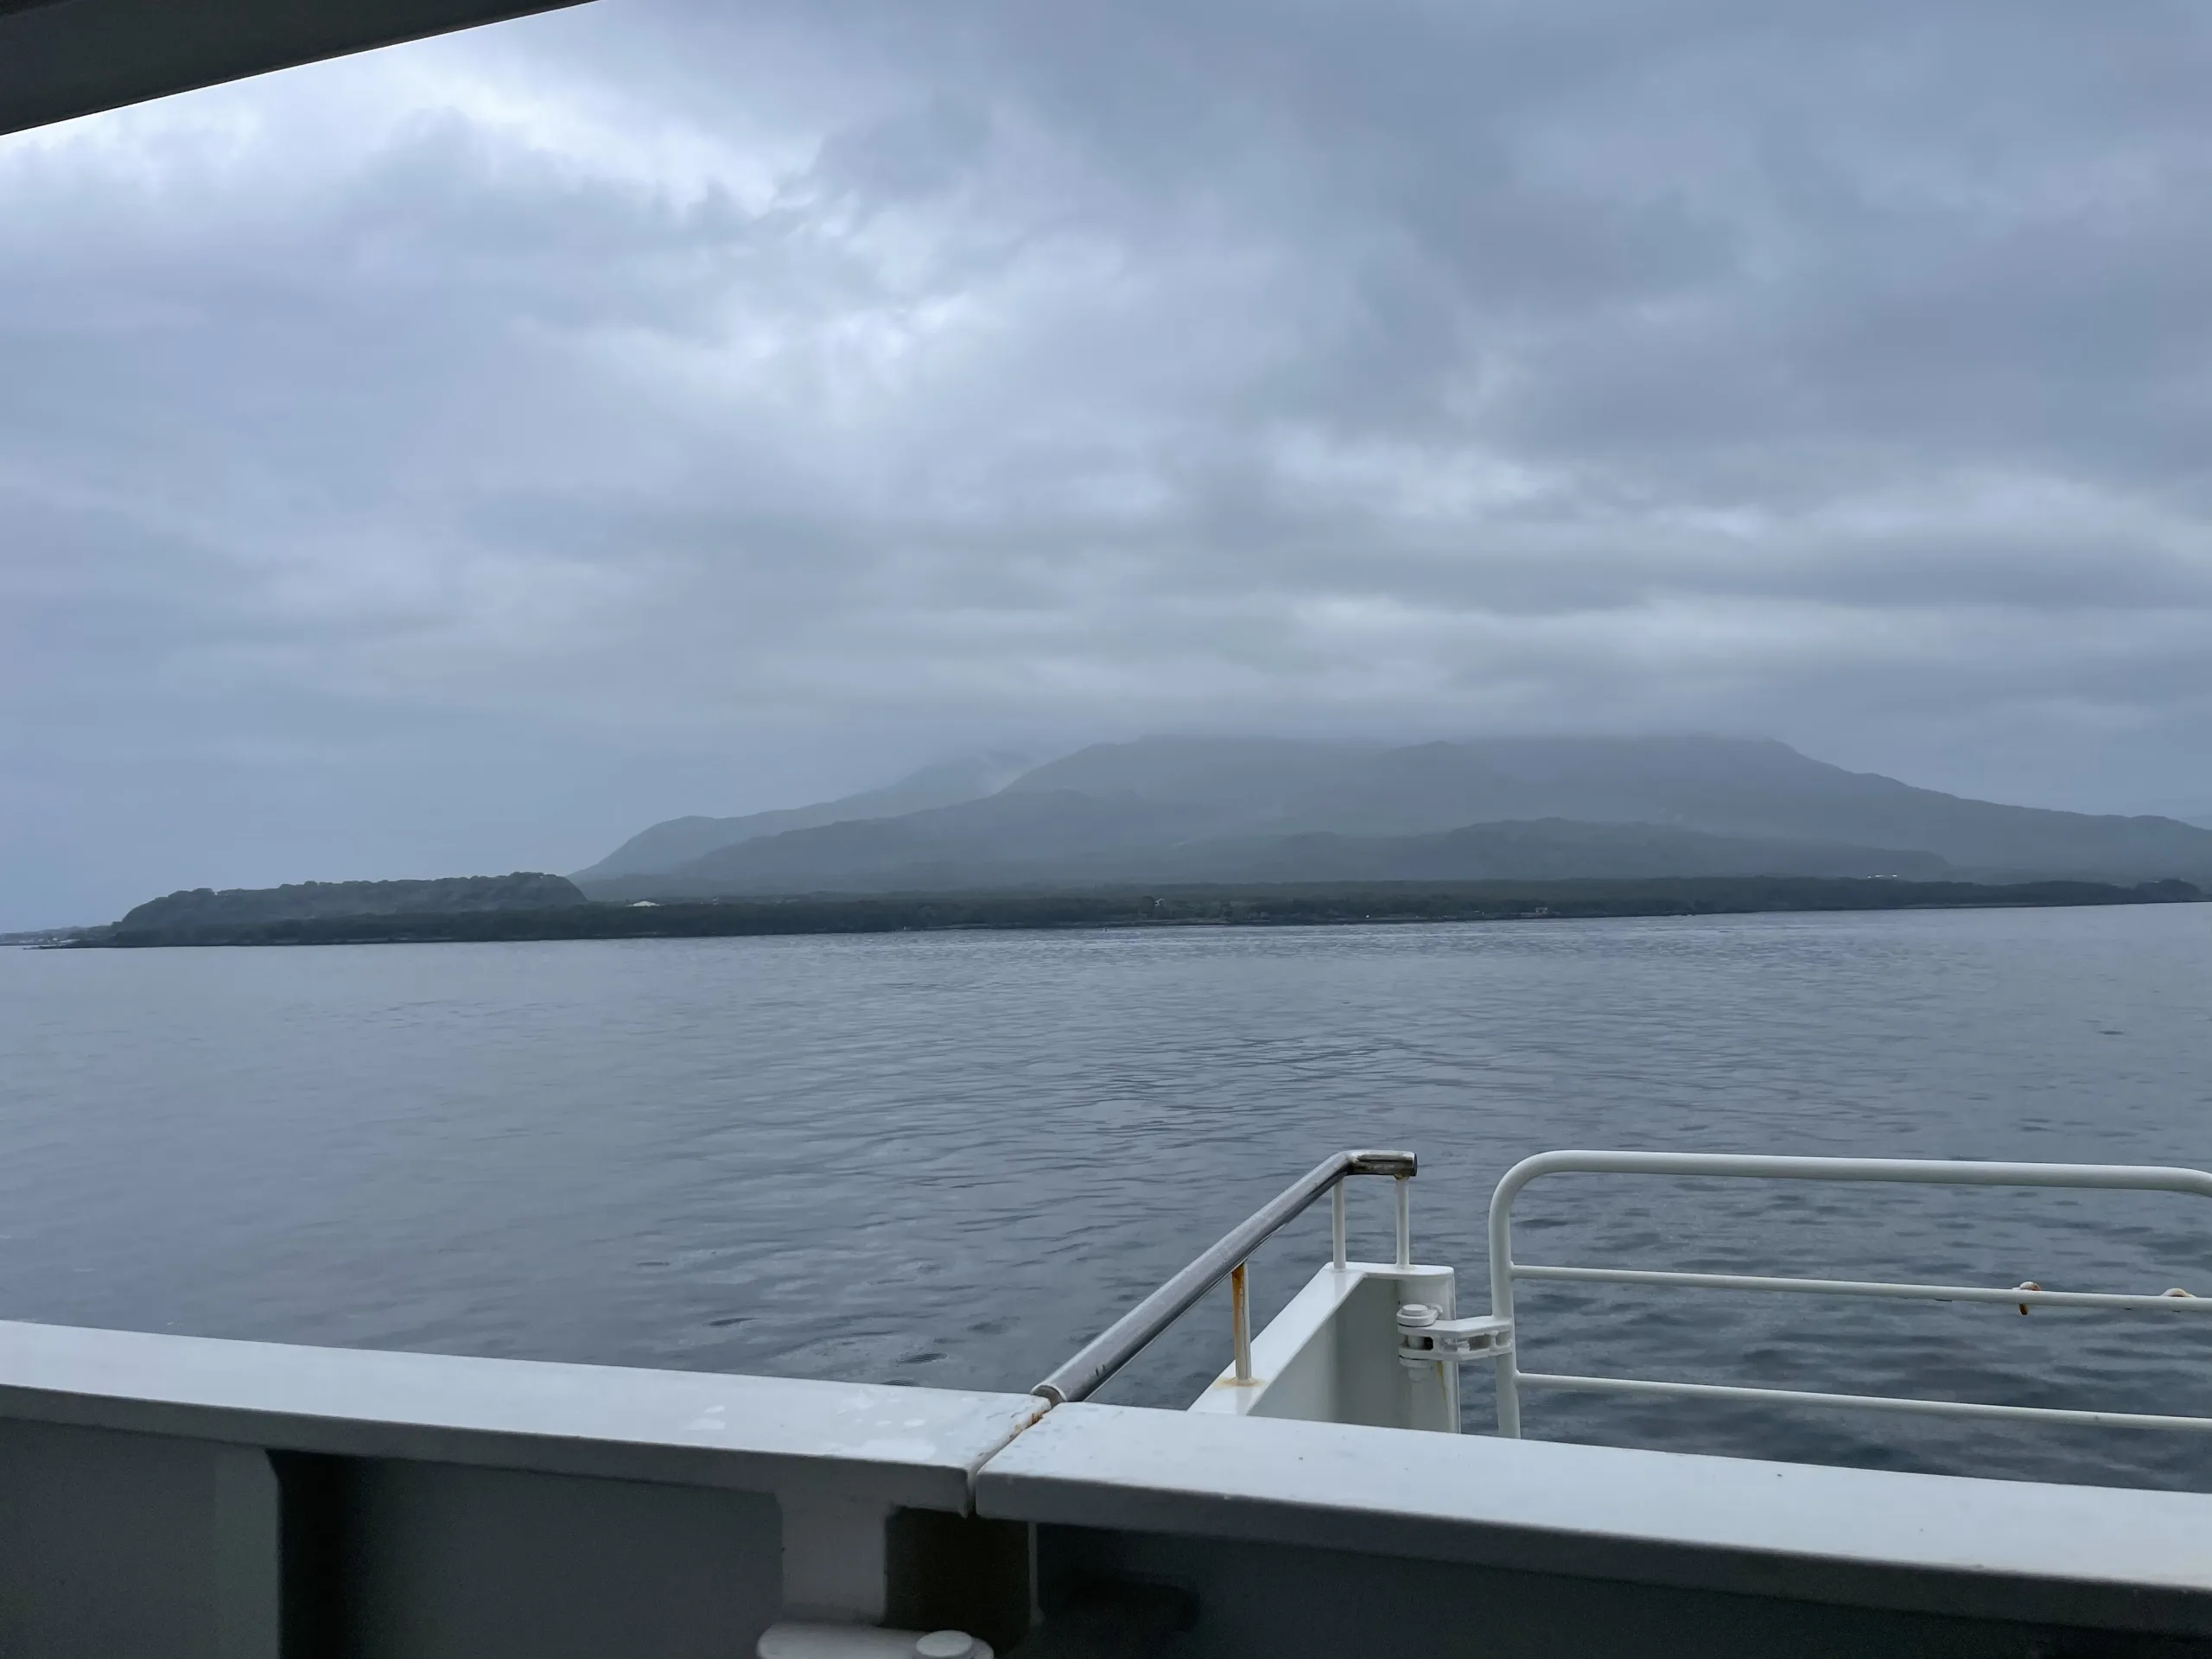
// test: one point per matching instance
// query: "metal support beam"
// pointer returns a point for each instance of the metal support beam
(248, 1588)
(834, 1555)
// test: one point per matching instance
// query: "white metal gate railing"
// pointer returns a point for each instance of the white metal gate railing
(1505, 1272)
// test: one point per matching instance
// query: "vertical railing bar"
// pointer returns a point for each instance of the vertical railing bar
(1501, 1305)
(1240, 1317)
(1405, 1222)
(1337, 1246)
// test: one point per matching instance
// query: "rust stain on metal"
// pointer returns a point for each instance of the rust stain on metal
(1384, 1163)
(1240, 1317)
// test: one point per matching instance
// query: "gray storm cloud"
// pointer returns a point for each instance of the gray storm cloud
(457, 457)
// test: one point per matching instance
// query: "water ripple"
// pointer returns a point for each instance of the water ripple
(950, 1159)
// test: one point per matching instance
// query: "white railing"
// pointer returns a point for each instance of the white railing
(1505, 1272)
(1127, 1336)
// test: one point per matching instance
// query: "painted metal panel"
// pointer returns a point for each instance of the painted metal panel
(222, 1500)
(1331, 1355)
(1276, 1601)
(133, 1544)
(451, 1562)
(2013, 1550)
(908, 1448)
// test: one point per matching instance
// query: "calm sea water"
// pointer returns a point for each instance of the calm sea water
(950, 1159)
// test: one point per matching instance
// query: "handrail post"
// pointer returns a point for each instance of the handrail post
(1336, 1225)
(1501, 1307)
(1405, 1194)
(1240, 1318)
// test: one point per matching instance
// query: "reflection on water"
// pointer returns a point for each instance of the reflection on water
(950, 1159)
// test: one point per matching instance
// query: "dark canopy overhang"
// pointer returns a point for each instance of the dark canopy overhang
(61, 58)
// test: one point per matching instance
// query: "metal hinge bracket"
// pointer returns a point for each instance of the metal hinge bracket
(1425, 1335)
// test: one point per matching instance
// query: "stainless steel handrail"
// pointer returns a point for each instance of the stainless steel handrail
(1504, 1270)
(1127, 1336)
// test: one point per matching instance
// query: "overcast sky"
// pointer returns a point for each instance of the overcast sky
(455, 458)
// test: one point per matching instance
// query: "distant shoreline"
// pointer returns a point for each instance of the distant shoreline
(1329, 905)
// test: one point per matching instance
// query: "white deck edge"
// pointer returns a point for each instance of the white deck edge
(918, 1448)
(2011, 1550)
(1972, 1547)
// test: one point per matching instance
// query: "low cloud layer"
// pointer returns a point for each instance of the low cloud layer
(456, 457)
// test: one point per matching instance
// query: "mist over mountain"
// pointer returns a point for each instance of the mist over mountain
(1127, 841)
(678, 840)
(1719, 785)
(1181, 809)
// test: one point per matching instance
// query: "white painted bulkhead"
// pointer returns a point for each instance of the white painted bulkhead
(1331, 1355)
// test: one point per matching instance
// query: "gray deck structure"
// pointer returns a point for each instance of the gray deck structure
(182, 1497)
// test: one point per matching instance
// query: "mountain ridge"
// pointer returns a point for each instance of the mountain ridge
(1225, 809)
(678, 840)
(192, 907)
(899, 855)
